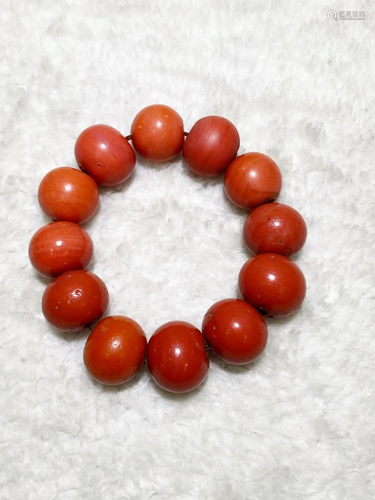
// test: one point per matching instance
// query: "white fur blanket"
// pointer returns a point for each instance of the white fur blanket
(297, 424)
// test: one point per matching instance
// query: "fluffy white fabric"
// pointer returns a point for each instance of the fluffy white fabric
(298, 423)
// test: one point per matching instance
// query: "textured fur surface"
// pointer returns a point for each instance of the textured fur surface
(298, 423)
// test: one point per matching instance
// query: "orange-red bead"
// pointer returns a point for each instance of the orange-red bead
(177, 357)
(59, 247)
(251, 180)
(211, 145)
(157, 133)
(105, 154)
(68, 194)
(273, 284)
(74, 300)
(275, 228)
(115, 350)
(235, 331)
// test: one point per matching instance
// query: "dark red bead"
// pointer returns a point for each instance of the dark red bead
(273, 284)
(251, 180)
(105, 154)
(211, 145)
(176, 357)
(275, 228)
(115, 350)
(74, 300)
(59, 247)
(235, 331)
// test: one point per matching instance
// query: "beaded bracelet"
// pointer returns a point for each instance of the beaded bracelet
(270, 283)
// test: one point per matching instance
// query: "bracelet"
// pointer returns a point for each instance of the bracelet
(271, 284)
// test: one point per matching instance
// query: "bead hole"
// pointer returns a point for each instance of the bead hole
(270, 200)
(83, 170)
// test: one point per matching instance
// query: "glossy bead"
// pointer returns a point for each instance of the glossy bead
(235, 331)
(115, 350)
(59, 247)
(211, 145)
(251, 180)
(273, 284)
(103, 153)
(68, 194)
(74, 300)
(176, 357)
(157, 133)
(275, 228)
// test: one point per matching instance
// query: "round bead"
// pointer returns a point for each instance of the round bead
(211, 145)
(59, 247)
(103, 153)
(275, 228)
(68, 194)
(115, 350)
(177, 357)
(251, 180)
(235, 331)
(74, 300)
(273, 284)
(157, 133)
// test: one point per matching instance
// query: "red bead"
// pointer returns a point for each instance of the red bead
(211, 145)
(68, 194)
(74, 300)
(115, 350)
(235, 331)
(177, 357)
(275, 228)
(273, 284)
(157, 133)
(251, 180)
(59, 247)
(103, 153)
